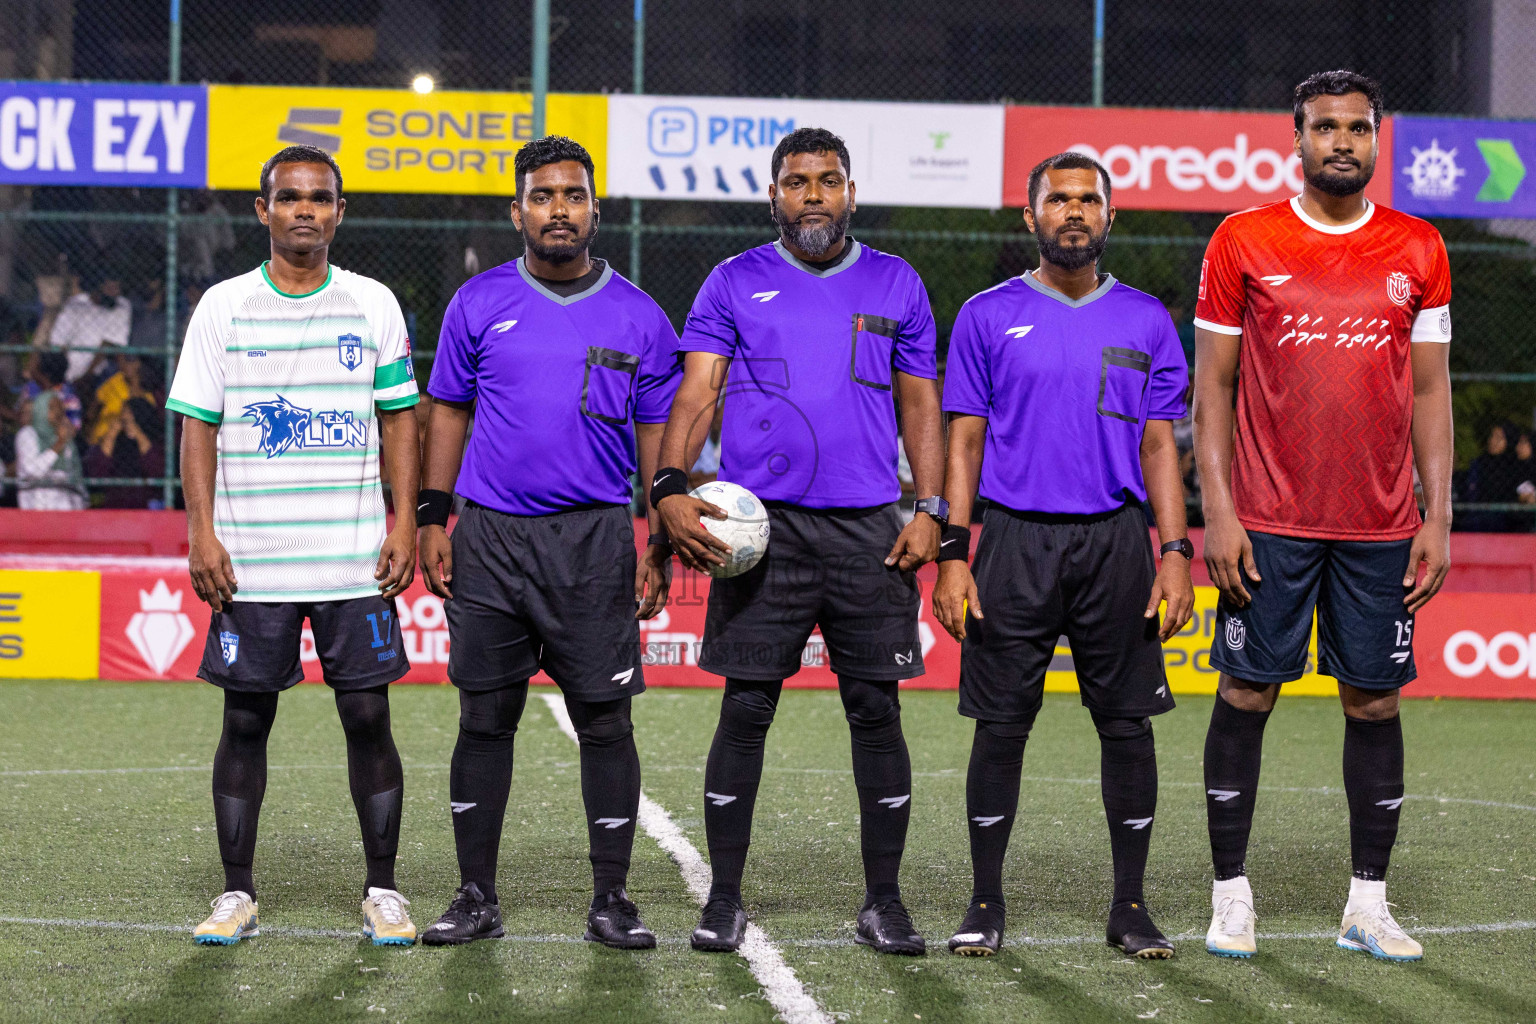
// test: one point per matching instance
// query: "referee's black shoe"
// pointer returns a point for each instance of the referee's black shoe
(1132, 932)
(615, 922)
(722, 926)
(469, 917)
(981, 933)
(885, 925)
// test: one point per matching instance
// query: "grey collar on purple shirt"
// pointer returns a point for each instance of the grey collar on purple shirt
(799, 264)
(553, 296)
(1045, 289)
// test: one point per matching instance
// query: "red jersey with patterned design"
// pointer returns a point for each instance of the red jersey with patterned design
(1327, 316)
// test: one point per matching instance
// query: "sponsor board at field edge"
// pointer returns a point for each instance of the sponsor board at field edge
(393, 140)
(48, 624)
(719, 148)
(1197, 160)
(57, 133)
(1448, 167)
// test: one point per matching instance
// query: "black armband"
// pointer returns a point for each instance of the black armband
(668, 481)
(955, 545)
(432, 507)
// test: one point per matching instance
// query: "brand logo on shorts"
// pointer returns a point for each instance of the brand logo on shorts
(904, 659)
(349, 349)
(229, 643)
(622, 678)
(1237, 634)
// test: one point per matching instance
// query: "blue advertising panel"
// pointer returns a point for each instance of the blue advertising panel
(54, 133)
(1453, 167)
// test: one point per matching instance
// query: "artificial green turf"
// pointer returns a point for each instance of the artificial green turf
(139, 848)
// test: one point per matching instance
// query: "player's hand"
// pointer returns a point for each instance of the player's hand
(953, 595)
(653, 578)
(397, 562)
(1229, 558)
(213, 578)
(436, 559)
(1432, 547)
(1172, 585)
(917, 544)
(696, 547)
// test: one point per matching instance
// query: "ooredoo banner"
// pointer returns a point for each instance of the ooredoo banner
(1201, 160)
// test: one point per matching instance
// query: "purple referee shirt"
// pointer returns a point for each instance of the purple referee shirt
(1067, 387)
(559, 383)
(810, 417)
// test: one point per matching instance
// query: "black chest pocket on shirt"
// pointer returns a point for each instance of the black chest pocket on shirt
(1124, 375)
(873, 339)
(608, 385)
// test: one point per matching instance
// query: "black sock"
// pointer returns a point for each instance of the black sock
(1373, 782)
(731, 777)
(375, 777)
(1128, 780)
(239, 783)
(882, 773)
(1234, 747)
(480, 778)
(610, 787)
(992, 801)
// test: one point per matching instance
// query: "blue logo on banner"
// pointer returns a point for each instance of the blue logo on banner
(285, 425)
(349, 349)
(229, 643)
(1447, 167)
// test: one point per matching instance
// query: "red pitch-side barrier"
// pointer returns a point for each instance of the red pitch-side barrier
(1477, 639)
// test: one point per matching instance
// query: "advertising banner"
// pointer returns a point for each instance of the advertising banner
(1199, 160)
(49, 624)
(903, 154)
(54, 133)
(393, 140)
(1464, 168)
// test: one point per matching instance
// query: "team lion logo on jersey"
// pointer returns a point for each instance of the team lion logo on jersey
(1398, 288)
(285, 425)
(349, 349)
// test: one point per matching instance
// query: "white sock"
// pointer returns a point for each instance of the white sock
(1238, 887)
(1362, 891)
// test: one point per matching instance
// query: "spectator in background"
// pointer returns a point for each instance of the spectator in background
(1495, 477)
(130, 448)
(47, 463)
(46, 372)
(126, 384)
(89, 320)
(148, 330)
(207, 237)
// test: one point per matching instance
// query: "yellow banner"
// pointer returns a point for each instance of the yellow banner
(392, 140)
(50, 624)
(1188, 658)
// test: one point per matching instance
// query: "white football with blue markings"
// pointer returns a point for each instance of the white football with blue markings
(746, 531)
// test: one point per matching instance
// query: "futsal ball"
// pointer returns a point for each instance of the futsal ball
(746, 531)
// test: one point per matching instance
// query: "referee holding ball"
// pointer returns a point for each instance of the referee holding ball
(1060, 390)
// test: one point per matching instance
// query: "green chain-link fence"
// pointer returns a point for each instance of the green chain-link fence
(164, 247)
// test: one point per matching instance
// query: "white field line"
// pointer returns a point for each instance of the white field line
(779, 981)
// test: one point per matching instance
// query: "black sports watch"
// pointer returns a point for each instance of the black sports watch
(936, 507)
(1182, 546)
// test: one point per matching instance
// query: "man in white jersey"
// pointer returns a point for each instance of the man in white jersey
(279, 379)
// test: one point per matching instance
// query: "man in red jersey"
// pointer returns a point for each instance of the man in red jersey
(1340, 312)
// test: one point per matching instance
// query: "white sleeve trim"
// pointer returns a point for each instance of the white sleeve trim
(1207, 325)
(1432, 324)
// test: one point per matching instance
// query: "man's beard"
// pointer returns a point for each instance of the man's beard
(1334, 184)
(813, 241)
(560, 251)
(1072, 257)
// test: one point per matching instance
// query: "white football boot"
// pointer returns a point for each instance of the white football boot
(1369, 927)
(1232, 919)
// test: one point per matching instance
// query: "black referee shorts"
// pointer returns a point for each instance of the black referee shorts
(824, 567)
(553, 592)
(1039, 577)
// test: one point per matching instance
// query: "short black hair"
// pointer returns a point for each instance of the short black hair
(1068, 161)
(54, 366)
(297, 155)
(551, 149)
(809, 140)
(1338, 83)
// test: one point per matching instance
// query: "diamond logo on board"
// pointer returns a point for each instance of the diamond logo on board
(159, 630)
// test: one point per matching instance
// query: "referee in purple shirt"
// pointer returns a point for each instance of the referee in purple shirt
(813, 339)
(1060, 388)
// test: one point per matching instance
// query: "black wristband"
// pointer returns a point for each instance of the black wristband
(659, 540)
(432, 507)
(955, 544)
(668, 481)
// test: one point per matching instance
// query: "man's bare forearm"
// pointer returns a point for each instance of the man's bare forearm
(648, 453)
(447, 425)
(1433, 430)
(967, 443)
(692, 410)
(1165, 485)
(922, 432)
(1215, 388)
(199, 466)
(402, 453)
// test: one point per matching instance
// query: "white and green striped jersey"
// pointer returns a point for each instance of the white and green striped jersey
(293, 381)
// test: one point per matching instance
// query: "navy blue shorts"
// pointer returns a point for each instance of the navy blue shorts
(1364, 631)
(253, 646)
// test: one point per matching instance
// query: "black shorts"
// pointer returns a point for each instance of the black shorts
(1364, 631)
(253, 646)
(553, 592)
(1040, 577)
(826, 568)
